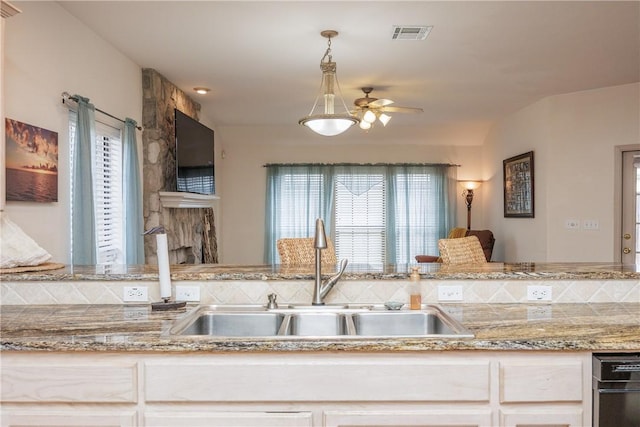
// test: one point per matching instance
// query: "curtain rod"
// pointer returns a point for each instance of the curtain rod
(361, 164)
(65, 96)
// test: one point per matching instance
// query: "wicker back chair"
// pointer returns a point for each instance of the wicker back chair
(300, 251)
(464, 250)
(487, 241)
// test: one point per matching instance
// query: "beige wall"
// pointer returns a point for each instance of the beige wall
(247, 149)
(47, 51)
(573, 137)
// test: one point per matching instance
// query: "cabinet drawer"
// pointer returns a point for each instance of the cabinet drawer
(78, 416)
(228, 419)
(61, 383)
(541, 381)
(315, 378)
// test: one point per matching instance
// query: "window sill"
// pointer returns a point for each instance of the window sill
(187, 200)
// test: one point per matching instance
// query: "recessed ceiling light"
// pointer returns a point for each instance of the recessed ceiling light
(202, 90)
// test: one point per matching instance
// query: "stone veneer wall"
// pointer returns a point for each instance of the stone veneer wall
(191, 233)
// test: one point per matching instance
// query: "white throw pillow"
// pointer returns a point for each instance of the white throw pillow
(16, 248)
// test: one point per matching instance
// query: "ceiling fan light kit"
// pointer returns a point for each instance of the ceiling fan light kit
(372, 109)
(328, 123)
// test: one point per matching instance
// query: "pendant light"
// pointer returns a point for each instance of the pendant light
(328, 123)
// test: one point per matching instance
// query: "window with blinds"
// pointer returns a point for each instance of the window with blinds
(300, 199)
(360, 219)
(377, 214)
(107, 184)
(107, 188)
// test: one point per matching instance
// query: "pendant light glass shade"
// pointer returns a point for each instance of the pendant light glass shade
(328, 123)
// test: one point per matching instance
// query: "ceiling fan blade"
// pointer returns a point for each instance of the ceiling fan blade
(380, 102)
(402, 110)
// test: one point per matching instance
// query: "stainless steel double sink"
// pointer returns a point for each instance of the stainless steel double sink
(318, 321)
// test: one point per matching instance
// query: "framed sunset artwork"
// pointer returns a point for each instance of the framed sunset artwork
(31, 163)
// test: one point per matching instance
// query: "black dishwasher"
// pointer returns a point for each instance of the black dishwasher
(616, 390)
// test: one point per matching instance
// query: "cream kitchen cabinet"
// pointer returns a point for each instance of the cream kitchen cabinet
(305, 389)
(51, 390)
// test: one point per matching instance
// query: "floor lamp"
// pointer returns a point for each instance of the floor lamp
(469, 186)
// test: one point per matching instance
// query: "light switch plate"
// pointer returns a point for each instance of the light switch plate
(590, 224)
(572, 224)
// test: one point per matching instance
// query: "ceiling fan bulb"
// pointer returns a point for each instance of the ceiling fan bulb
(369, 117)
(365, 125)
(384, 118)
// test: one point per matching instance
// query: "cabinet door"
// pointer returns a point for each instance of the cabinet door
(548, 416)
(72, 417)
(228, 419)
(402, 418)
(542, 380)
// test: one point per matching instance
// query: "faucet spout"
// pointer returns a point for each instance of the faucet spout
(321, 290)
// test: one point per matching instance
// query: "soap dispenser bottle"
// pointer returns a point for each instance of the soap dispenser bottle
(415, 299)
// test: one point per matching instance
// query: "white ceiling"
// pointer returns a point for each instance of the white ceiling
(482, 60)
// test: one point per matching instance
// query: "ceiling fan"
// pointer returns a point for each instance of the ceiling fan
(369, 109)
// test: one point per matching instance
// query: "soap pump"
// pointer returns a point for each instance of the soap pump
(414, 290)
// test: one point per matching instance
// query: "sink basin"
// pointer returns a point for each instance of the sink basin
(428, 322)
(317, 324)
(232, 324)
(326, 321)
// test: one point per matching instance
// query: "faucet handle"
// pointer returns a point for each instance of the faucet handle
(272, 301)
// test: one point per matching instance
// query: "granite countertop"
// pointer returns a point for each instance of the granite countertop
(134, 328)
(489, 271)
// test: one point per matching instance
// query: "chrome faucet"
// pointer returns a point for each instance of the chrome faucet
(322, 289)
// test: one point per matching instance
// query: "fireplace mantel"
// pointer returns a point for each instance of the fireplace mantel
(187, 200)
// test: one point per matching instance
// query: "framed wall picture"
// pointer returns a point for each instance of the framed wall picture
(518, 186)
(31, 163)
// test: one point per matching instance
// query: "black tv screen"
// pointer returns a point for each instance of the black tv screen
(194, 156)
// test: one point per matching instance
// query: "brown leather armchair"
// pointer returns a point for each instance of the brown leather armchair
(487, 241)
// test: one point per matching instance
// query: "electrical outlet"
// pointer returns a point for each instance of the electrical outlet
(187, 293)
(538, 293)
(135, 293)
(449, 293)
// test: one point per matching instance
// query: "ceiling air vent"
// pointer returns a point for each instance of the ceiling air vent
(410, 32)
(8, 10)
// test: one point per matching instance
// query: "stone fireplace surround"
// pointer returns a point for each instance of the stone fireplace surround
(191, 232)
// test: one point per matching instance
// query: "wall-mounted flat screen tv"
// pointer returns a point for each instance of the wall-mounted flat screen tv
(194, 156)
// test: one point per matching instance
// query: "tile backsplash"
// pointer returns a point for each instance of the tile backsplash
(301, 291)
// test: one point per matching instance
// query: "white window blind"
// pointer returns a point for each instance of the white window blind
(360, 218)
(107, 188)
(107, 177)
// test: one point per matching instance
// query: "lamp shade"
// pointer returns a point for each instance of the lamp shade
(369, 116)
(384, 118)
(470, 185)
